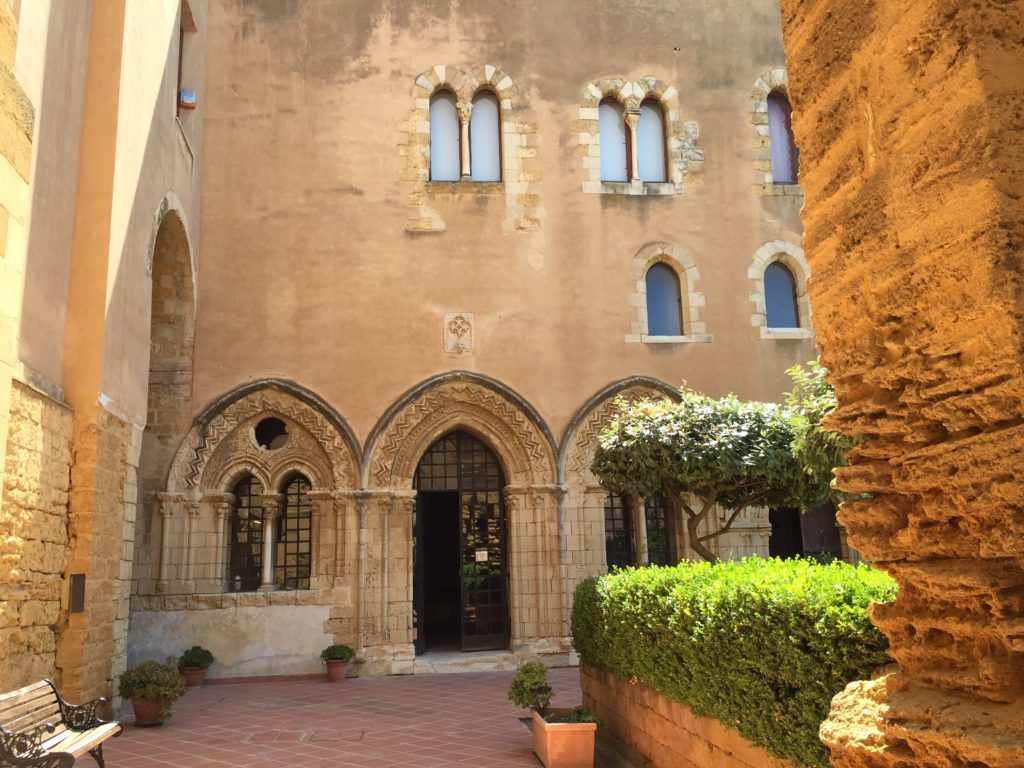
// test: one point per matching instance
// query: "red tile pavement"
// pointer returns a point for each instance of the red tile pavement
(460, 720)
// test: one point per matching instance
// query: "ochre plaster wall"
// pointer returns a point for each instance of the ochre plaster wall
(908, 117)
(668, 734)
(309, 272)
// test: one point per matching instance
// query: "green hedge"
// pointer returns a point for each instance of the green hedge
(760, 645)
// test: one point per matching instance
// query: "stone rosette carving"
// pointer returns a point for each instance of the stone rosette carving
(459, 332)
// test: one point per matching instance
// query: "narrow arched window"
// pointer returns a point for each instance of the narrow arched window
(614, 138)
(780, 136)
(664, 310)
(650, 142)
(294, 541)
(780, 303)
(660, 531)
(444, 138)
(485, 138)
(246, 543)
(618, 532)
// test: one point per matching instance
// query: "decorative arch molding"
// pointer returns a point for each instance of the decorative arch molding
(792, 257)
(518, 141)
(580, 438)
(773, 80)
(692, 299)
(220, 443)
(483, 406)
(685, 161)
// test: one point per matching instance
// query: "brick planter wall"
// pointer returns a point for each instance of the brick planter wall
(666, 733)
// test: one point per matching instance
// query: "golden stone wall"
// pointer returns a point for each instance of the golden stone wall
(908, 117)
(34, 537)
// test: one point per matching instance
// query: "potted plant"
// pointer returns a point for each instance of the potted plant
(152, 687)
(337, 657)
(193, 664)
(562, 738)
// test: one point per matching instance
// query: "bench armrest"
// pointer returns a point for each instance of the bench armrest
(25, 745)
(81, 717)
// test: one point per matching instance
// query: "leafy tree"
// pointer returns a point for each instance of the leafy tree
(726, 452)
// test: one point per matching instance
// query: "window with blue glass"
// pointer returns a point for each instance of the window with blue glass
(664, 309)
(780, 302)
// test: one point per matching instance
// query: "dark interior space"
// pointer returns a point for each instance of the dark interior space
(785, 540)
(441, 573)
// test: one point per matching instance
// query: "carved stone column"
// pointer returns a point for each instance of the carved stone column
(633, 120)
(363, 512)
(465, 111)
(322, 503)
(399, 565)
(222, 504)
(169, 505)
(191, 520)
(638, 510)
(271, 503)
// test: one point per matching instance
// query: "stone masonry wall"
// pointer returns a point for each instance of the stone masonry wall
(668, 734)
(909, 116)
(34, 536)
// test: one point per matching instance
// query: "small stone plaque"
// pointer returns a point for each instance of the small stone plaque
(458, 332)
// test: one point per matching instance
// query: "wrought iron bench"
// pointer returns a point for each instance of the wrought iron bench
(38, 729)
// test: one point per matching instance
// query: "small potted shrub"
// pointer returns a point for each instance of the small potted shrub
(193, 664)
(337, 657)
(562, 738)
(153, 688)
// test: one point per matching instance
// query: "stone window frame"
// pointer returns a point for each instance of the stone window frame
(692, 300)
(792, 257)
(684, 161)
(518, 139)
(774, 80)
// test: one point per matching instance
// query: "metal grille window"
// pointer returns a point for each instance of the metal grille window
(293, 546)
(660, 539)
(245, 557)
(618, 532)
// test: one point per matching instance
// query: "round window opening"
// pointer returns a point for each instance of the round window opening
(271, 434)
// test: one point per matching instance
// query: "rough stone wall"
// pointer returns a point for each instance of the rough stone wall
(34, 537)
(668, 734)
(909, 120)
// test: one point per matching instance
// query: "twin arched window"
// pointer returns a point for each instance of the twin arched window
(619, 538)
(780, 137)
(664, 305)
(285, 537)
(780, 297)
(446, 136)
(619, 145)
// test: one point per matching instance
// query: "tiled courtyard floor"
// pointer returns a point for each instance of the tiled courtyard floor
(421, 720)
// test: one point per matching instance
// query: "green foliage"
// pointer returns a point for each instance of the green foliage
(153, 680)
(337, 653)
(196, 656)
(577, 715)
(530, 688)
(761, 645)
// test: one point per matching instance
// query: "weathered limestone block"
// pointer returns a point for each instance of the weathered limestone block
(907, 115)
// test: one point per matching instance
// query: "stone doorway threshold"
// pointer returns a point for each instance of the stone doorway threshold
(439, 662)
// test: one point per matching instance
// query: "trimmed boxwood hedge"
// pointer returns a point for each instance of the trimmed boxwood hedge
(760, 645)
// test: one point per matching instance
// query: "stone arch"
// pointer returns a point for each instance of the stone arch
(792, 257)
(694, 328)
(685, 161)
(774, 80)
(580, 439)
(518, 140)
(319, 439)
(459, 400)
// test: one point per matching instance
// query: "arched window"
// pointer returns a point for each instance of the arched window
(618, 531)
(246, 543)
(614, 138)
(650, 142)
(485, 138)
(445, 162)
(664, 310)
(293, 543)
(780, 303)
(780, 136)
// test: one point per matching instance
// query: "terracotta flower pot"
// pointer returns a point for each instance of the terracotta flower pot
(147, 712)
(563, 745)
(337, 670)
(193, 675)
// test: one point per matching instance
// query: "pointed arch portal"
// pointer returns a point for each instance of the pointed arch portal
(460, 579)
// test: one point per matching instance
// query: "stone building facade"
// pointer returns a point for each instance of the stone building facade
(276, 385)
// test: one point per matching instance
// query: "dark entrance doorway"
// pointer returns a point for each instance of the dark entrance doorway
(460, 572)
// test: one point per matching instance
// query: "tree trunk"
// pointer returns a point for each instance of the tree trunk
(692, 524)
